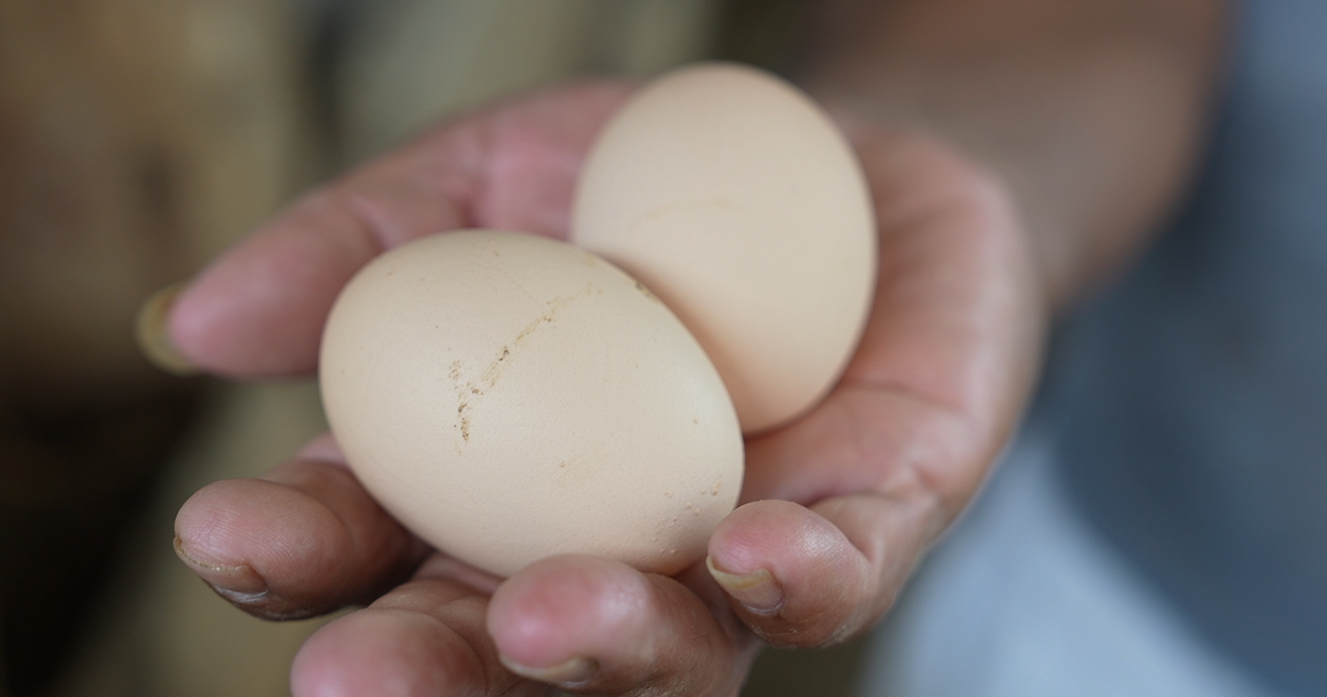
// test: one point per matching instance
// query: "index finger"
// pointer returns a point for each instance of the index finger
(259, 309)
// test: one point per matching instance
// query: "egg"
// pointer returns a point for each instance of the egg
(736, 200)
(507, 397)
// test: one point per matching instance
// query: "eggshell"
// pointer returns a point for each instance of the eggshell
(508, 397)
(735, 199)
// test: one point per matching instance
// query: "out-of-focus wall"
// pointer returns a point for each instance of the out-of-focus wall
(137, 138)
(408, 61)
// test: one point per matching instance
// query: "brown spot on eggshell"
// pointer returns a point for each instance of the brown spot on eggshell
(493, 373)
(646, 292)
(572, 473)
(462, 401)
(463, 421)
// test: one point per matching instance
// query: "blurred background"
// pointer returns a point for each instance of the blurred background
(139, 138)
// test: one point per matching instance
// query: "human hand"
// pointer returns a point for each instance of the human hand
(838, 506)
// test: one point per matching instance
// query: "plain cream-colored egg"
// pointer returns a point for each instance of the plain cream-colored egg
(508, 397)
(736, 200)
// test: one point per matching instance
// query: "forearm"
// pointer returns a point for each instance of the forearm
(1091, 113)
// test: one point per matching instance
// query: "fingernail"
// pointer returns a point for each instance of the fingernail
(575, 672)
(153, 339)
(757, 591)
(238, 583)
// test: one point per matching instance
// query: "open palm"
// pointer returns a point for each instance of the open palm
(837, 507)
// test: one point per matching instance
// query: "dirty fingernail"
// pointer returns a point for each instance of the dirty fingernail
(569, 674)
(238, 583)
(153, 339)
(757, 590)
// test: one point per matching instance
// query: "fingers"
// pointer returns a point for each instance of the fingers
(424, 638)
(883, 472)
(304, 540)
(599, 627)
(583, 624)
(814, 577)
(258, 311)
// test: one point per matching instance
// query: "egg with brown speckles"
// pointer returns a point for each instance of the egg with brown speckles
(508, 397)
